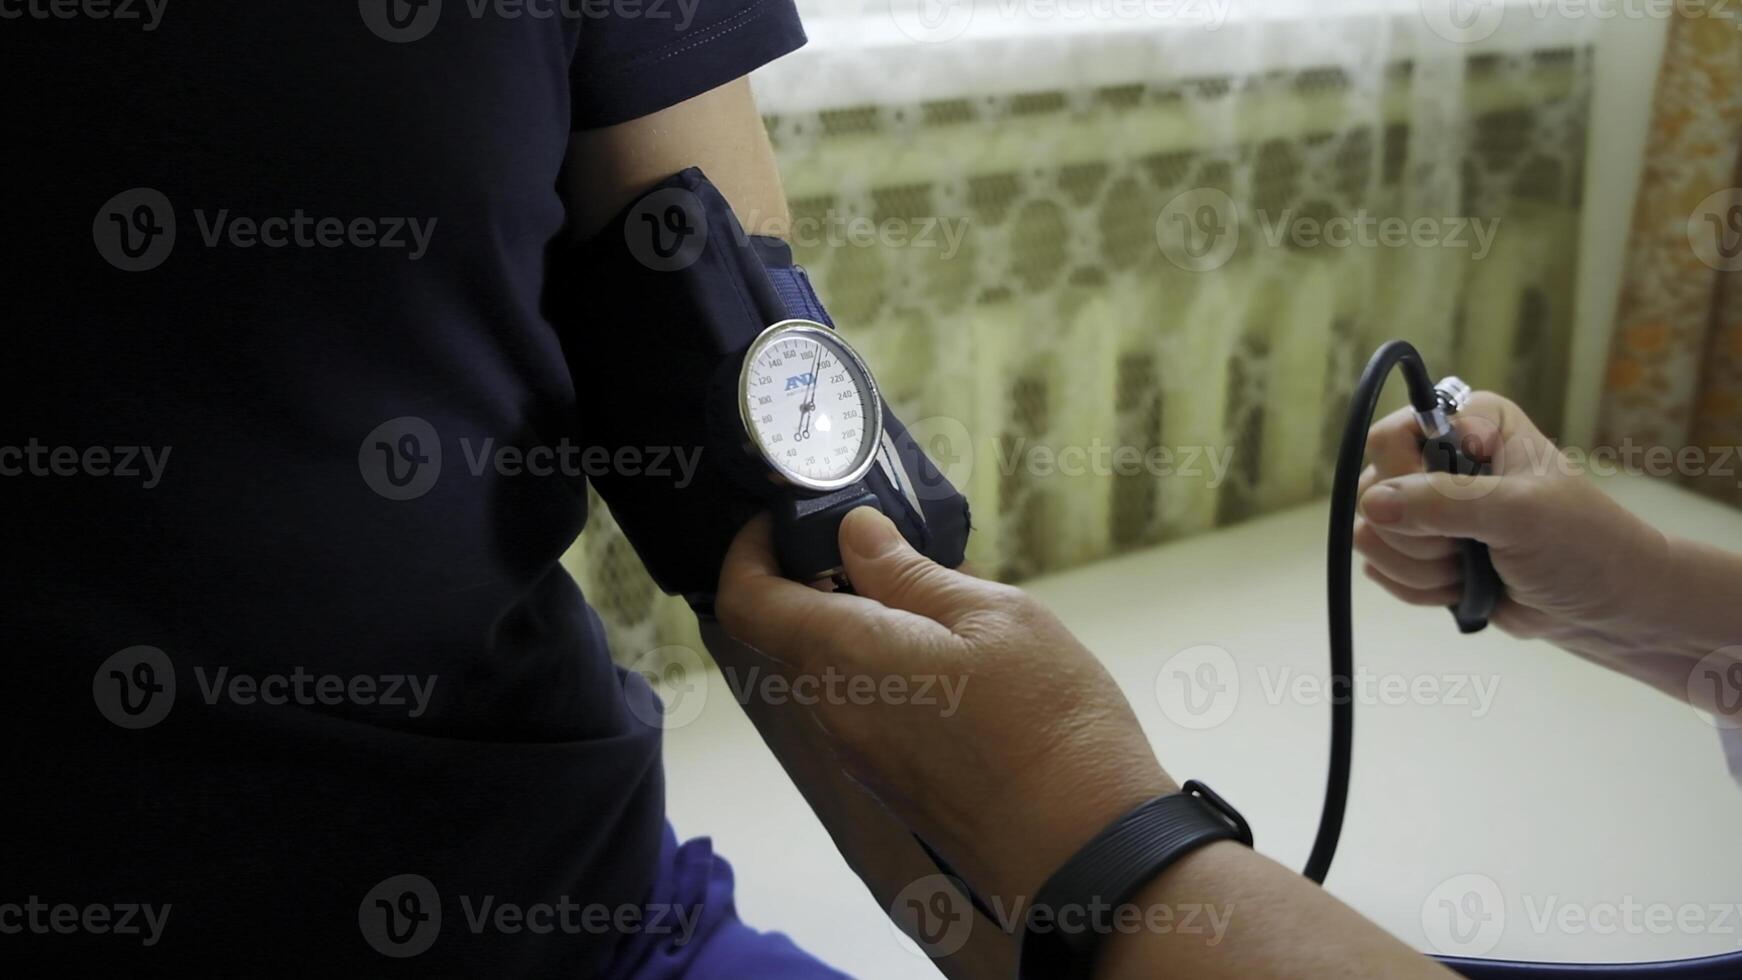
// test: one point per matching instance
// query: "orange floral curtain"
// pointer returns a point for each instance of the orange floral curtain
(1675, 368)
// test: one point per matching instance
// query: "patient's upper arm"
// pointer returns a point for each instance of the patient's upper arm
(719, 131)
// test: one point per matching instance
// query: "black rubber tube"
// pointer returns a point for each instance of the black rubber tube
(1340, 555)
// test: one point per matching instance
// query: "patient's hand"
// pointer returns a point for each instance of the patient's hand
(1580, 570)
(1020, 747)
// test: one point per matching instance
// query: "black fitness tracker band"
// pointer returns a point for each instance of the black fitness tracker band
(1075, 909)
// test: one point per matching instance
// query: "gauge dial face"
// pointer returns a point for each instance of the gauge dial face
(810, 405)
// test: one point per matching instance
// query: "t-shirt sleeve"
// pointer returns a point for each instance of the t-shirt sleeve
(626, 66)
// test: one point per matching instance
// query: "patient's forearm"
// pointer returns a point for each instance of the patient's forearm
(878, 847)
(1233, 914)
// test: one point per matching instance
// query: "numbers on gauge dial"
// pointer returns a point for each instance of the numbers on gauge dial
(807, 408)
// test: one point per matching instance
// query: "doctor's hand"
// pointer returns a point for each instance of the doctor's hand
(1039, 754)
(979, 719)
(1580, 570)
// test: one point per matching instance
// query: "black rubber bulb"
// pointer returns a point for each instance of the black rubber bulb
(1482, 586)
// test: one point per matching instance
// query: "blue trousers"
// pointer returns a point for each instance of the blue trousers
(693, 930)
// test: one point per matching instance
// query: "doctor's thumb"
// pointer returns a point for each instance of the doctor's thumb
(883, 566)
(1484, 508)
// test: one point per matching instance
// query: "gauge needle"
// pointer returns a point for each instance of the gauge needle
(809, 404)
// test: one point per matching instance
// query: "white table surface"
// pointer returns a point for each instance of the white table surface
(1575, 788)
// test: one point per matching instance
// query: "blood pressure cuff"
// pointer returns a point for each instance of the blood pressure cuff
(673, 293)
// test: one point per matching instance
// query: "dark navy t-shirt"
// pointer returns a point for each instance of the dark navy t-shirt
(288, 646)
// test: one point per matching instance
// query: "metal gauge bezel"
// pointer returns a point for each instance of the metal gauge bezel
(872, 438)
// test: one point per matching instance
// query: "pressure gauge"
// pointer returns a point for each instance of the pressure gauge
(810, 406)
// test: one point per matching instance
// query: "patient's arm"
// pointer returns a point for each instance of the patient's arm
(718, 131)
(722, 133)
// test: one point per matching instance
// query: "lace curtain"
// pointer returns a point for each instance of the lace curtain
(1120, 270)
